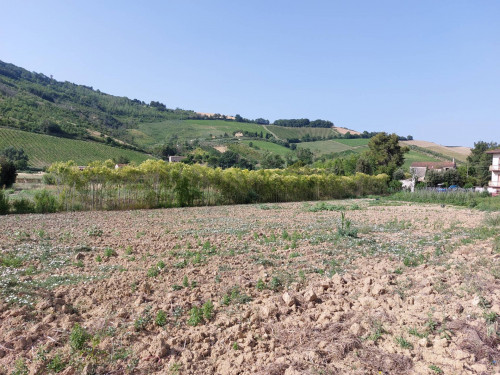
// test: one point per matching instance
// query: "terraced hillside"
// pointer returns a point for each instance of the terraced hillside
(459, 153)
(44, 150)
(288, 133)
(149, 134)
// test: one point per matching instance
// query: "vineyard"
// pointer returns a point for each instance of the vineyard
(264, 146)
(148, 134)
(44, 150)
(288, 133)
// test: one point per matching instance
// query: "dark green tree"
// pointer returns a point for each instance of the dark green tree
(272, 161)
(228, 159)
(479, 161)
(364, 165)
(305, 155)
(17, 156)
(386, 153)
(8, 172)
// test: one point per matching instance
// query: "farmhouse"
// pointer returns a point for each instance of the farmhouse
(494, 184)
(420, 168)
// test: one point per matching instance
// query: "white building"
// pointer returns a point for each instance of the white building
(494, 184)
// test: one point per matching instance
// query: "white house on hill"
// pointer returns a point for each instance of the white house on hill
(494, 184)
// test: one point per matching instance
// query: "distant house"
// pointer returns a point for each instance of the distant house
(419, 168)
(494, 184)
(175, 159)
(118, 166)
(82, 167)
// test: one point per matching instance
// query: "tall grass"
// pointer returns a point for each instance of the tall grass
(158, 184)
(465, 198)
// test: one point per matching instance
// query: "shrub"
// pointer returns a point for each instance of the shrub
(399, 174)
(4, 203)
(8, 172)
(49, 179)
(45, 202)
(395, 186)
(23, 206)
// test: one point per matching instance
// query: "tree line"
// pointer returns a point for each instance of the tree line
(303, 123)
(156, 183)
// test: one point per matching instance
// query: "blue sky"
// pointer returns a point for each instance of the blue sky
(424, 68)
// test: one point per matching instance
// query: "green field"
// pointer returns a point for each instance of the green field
(414, 156)
(355, 142)
(269, 147)
(44, 150)
(149, 134)
(287, 133)
(325, 147)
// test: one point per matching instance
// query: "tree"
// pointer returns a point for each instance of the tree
(121, 160)
(386, 153)
(399, 174)
(479, 161)
(305, 155)
(261, 121)
(8, 172)
(364, 165)
(272, 161)
(228, 159)
(17, 156)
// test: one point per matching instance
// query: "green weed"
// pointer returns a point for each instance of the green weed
(195, 316)
(78, 337)
(436, 369)
(161, 318)
(56, 364)
(402, 342)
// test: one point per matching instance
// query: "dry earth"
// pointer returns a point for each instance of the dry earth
(343, 130)
(416, 292)
(458, 152)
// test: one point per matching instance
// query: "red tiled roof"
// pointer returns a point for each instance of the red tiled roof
(432, 164)
(496, 151)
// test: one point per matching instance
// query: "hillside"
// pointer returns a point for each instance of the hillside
(459, 153)
(149, 134)
(49, 116)
(44, 150)
(37, 103)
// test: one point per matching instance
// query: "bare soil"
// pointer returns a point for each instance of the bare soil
(343, 130)
(408, 289)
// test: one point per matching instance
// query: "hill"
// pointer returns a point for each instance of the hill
(34, 102)
(149, 134)
(58, 113)
(44, 150)
(458, 153)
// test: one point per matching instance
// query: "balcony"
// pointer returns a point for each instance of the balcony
(494, 184)
(494, 168)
